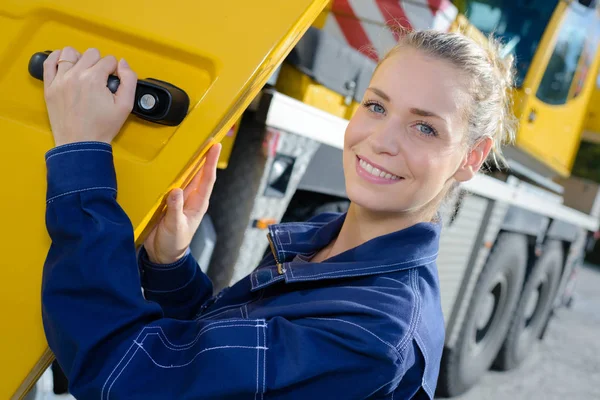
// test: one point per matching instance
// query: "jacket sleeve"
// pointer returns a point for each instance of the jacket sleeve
(179, 288)
(113, 343)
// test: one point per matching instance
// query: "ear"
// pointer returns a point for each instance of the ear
(474, 159)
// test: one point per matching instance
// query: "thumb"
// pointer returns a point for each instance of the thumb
(174, 206)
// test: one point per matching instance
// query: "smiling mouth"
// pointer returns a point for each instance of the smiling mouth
(376, 172)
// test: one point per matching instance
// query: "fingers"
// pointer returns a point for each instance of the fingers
(197, 179)
(125, 95)
(50, 66)
(89, 58)
(193, 185)
(105, 67)
(68, 58)
(174, 207)
(197, 202)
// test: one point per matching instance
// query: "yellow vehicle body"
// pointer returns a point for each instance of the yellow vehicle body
(552, 133)
(221, 54)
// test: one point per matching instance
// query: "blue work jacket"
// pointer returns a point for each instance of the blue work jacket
(366, 323)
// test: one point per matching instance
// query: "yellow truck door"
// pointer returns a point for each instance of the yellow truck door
(219, 53)
(556, 91)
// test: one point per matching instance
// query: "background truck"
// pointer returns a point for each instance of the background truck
(512, 238)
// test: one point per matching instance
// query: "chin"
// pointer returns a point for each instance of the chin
(373, 201)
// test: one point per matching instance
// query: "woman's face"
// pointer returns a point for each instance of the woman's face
(405, 143)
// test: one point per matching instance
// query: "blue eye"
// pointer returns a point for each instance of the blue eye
(377, 108)
(374, 107)
(426, 129)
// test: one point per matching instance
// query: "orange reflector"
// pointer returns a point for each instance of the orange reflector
(488, 245)
(263, 223)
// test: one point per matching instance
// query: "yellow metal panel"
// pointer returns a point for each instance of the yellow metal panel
(298, 85)
(220, 53)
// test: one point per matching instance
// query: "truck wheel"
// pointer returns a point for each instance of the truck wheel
(533, 308)
(488, 316)
(233, 196)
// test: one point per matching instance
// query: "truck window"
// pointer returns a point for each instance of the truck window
(519, 24)
(565, 61)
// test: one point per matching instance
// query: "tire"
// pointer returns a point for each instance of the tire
(533, 309)
(488, 316)
(233, 198)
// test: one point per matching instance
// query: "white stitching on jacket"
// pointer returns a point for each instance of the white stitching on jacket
(264, 330)
(80, 190)
(119, 374)
(116, 366)
(58, 153)
(257, 353)
(423, 349)
(413, 276)
(140, 345)
(432, 257)
(277, 278)
(59, 149)
(355, 275)
(179, 347)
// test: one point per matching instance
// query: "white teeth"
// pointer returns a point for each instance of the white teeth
(376, 171)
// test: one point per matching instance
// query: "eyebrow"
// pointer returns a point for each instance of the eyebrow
(416, 111)
(379, 93)
(425, 113)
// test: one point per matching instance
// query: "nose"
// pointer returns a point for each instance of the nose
(385, 139)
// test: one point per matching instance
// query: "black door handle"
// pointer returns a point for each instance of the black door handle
(532, 116)
(155, 100)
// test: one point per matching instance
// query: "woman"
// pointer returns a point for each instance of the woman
(346, 307)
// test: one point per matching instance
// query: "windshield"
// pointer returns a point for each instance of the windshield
(519, 24)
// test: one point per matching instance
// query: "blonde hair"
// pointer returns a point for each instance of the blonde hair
(489, 78)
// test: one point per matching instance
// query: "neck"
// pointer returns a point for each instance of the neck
(362, 225)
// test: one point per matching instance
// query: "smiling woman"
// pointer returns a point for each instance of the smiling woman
(436, 107)
(346, 306)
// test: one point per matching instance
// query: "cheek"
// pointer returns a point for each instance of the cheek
(429, 165)
(358, 129)
(419, 157)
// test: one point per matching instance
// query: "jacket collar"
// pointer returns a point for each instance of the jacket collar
(408, 248)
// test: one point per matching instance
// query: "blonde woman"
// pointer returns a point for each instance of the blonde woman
(348, 307)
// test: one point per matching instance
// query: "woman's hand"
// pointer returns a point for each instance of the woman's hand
(171, 237)
(80, 106)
